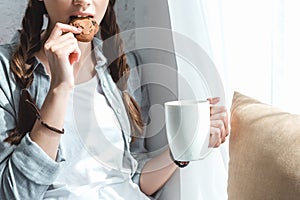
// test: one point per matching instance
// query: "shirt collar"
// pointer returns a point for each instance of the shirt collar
(100, 58)
(38, 66)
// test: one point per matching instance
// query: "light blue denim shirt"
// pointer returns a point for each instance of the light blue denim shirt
(26, 171)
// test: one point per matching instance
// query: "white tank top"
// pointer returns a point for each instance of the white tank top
(93, 147)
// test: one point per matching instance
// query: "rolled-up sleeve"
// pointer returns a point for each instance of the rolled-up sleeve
(140, 154)
(34, 163)
(27, 171)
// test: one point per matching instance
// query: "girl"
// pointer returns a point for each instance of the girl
(49, 146)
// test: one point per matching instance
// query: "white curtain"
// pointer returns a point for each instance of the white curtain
(254, 45)
(255, 48)
(205, 179)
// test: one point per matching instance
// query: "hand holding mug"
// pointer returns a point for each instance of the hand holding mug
(218, 123)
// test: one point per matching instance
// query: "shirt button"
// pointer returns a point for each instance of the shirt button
(118, 110)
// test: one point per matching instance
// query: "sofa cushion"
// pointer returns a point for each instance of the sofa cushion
(264, 150)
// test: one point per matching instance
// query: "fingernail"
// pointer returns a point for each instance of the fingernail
(216, 98)
(77, 29)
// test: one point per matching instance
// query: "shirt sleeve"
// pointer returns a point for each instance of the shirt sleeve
(26, 170)
(139, 152)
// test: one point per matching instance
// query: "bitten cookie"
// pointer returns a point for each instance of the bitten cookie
(89, 28)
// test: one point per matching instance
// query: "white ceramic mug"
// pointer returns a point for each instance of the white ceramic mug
(188, 129)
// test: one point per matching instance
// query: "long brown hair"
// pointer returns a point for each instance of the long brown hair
(119, 69)
(30, 42)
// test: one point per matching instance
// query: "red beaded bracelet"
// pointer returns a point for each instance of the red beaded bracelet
(180, 164)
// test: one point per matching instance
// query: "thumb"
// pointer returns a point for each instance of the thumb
(214, 100)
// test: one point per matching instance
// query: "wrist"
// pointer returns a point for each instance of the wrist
(61, 89)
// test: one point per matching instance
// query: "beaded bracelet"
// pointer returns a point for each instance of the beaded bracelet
(180, 164)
